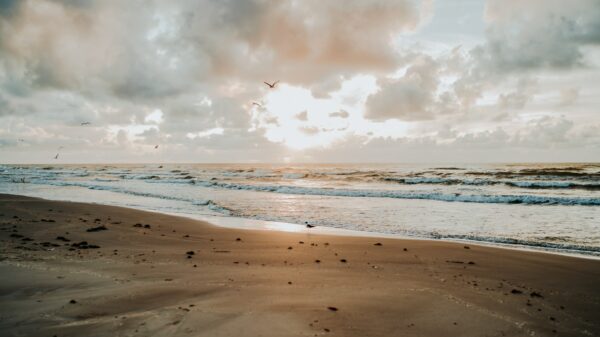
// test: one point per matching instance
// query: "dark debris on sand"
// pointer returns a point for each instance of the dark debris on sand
(84, 245)
(97, 229)
(536, 294)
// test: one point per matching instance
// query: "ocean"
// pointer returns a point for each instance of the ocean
(554, 207)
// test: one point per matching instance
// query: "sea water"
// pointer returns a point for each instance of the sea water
(544, 206)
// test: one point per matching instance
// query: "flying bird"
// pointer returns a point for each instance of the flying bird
(21, 139)
(272, 86)
(86, 123)
(257, 104)
(56, 157)
(156, 146)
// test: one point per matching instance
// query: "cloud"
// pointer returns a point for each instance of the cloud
(156, 49)
(408, 98)
(302, 116)
(309, 130)
(523, 35)
(523, 93)
(568, 96)
(340, 114)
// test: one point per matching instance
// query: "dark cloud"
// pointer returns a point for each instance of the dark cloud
(523, 35)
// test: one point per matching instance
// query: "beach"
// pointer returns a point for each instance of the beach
(73, 269)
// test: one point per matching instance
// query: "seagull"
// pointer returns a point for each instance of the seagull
(272, 86)
(257, 104)
(86, 123)
(309, 225)
(156, 146)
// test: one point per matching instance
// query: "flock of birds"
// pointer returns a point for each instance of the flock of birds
(270, 85)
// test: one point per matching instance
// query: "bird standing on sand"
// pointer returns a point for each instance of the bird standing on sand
(272, 86)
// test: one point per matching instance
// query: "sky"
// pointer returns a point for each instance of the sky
(359, 81)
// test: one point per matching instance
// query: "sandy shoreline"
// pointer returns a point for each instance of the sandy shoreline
(186, 277)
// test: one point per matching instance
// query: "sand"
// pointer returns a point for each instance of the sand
(161, 275)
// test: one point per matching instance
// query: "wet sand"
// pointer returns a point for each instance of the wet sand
(75, 269)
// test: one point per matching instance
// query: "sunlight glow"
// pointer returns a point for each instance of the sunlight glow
(293, 116)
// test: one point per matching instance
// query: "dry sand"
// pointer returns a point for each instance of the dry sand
(142, 281)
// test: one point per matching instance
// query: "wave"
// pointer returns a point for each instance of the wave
(569, 172)
(583, 249)
(560, 244)
(209, 203)
(449, 197)
(554, 185)
(517, 184)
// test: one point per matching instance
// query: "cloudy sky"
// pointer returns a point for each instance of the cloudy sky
(360, 81)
